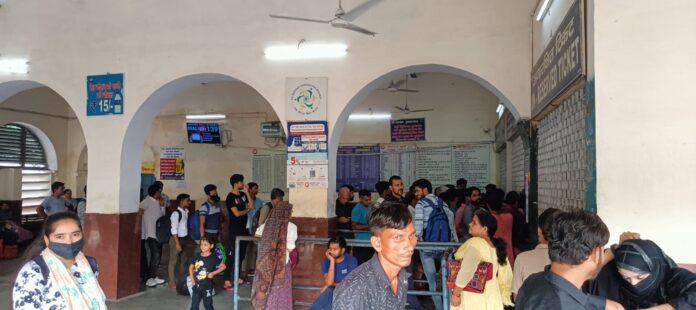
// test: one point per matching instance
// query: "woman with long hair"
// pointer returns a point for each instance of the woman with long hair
(62, 277)
(482, 249)
(272, 287)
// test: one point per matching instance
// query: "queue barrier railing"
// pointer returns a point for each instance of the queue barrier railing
(445, 247)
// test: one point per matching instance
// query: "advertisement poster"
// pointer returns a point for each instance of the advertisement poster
(306, 98)
(105, 94)
(358, 166)
(172, 163)
(308, 176)
(403, 130)
(308, 154)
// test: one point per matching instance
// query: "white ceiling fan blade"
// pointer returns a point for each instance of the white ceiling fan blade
(359, 10)
(404, 90)
(349, 26)
(399, 83)
(422, 110)
(299, 19)
(399, 108)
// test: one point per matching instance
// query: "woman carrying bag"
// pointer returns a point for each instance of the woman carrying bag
(61, 277)
(484, 278)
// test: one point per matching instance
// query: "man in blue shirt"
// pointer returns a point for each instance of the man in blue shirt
(249, 263)
(335, 267)
(360, 218)
(210, 215)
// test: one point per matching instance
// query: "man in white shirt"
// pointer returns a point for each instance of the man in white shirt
(151, 209)
(534, 261)
(178, 257)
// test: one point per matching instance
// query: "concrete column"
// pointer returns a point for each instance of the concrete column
(645, 59)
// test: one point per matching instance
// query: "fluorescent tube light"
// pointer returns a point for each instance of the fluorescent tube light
(306, 51)
(542, 8)
(376, 116)
(14, 65)
(205, 116)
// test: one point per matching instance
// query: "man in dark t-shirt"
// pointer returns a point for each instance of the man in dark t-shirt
(237, 204)
(344, 210)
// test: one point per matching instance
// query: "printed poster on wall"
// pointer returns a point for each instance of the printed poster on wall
(305, 98)
(308, 143)
(358, 166)
(403, 130)
(308, 160)
(308, 176)
(473, 162)
(105, 94)
(172, 163)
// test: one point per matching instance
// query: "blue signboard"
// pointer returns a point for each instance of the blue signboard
(105, 94)
(358, 166)
(308, 137)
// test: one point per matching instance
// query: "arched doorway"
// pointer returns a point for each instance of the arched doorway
(48, 123)
(441, 83)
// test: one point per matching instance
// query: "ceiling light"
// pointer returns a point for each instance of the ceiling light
(306, 51)
(14, 65)
(375, 116)
(205, 116)
(542, 8)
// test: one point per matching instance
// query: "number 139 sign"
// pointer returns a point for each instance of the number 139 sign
(105, 94)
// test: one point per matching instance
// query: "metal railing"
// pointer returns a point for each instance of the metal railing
(444, 247)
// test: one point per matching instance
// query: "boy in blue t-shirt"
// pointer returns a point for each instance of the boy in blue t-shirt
(335, 267)
(360, 218)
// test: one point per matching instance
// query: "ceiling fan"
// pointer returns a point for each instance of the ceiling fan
(407, 110)
(342, 19)
(394, 87)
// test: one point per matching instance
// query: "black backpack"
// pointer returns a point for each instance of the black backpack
(164, 227)
(39, 260)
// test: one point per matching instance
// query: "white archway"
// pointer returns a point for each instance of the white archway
(384, 79)
(134, 139)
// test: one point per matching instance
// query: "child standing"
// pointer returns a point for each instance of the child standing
(203, 268)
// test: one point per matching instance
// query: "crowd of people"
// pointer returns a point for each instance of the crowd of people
(499, 263)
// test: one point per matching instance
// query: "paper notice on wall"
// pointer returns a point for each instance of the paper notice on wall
(172, 163)
(435, 165)
(308, 176)
(472, 162)
(398, 159)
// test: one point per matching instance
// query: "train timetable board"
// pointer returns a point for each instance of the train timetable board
(358, 166)
(439, 164)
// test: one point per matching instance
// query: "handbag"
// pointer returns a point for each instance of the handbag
(484, 272)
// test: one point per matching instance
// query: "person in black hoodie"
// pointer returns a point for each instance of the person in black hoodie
(641, 276)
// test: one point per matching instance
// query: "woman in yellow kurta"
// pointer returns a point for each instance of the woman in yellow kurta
(483, 247)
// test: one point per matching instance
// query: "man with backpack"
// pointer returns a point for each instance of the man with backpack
(152, 209)
(178, 256)
(432, 225)
(210, 216)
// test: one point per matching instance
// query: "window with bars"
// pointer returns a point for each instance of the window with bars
(21, 149)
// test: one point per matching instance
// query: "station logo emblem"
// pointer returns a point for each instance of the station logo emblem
(306, 99)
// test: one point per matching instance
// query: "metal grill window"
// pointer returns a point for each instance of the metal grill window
(20, 148)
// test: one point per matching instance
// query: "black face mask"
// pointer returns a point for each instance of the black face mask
(215, 198)
(67, 251)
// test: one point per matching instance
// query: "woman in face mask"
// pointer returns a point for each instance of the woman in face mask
(61, 277)
(651, 279)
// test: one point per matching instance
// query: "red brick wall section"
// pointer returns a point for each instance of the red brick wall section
(114, 240)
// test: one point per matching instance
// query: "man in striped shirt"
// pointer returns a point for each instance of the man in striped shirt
(427, 202)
